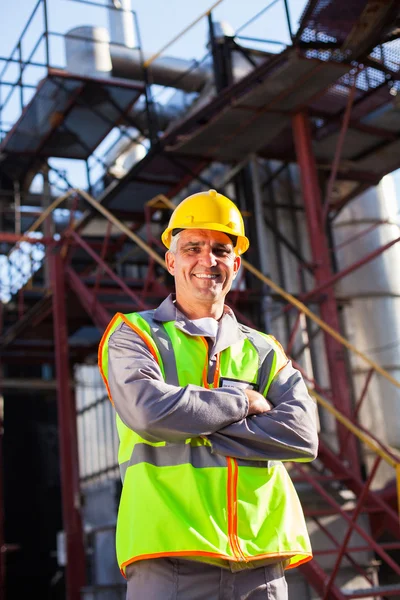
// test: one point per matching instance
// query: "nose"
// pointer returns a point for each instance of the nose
(207, 258)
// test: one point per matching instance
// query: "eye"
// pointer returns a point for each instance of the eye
(222, 251)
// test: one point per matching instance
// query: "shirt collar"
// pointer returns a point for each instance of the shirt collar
(229, 331)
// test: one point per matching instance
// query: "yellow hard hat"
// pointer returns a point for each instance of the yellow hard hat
(208, 210)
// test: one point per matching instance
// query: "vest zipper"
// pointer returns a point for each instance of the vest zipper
(232, 509)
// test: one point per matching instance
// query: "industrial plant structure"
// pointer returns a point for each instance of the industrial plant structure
(306, 140)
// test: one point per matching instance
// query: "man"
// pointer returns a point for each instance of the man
(206, 409)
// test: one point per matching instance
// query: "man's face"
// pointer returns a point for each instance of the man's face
(203, 266)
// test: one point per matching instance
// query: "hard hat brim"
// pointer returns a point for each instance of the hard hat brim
(242, 241)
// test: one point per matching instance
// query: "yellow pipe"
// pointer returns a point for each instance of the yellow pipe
(398, 486)
(354, 429)
(135, 238)
(291, 299)
(152, 58)
(303, 308)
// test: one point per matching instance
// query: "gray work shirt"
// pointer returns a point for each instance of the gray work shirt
(160, 411)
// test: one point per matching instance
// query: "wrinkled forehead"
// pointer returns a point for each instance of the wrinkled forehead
(204, 235)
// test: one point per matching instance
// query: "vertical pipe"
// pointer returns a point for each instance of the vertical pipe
(46, 33)
(152, 121)
(2, 539)
(261, 238)
(75, 568)
(277, 241)
(21, 88)
(17, 207)
(88, 178)
(120, 20)
(48, 226)
(289, 24)
(323, 272)
(219, 85)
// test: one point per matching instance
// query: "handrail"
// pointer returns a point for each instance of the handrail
(152, 58)
(362, 436)
(167, 202)
(299, 305)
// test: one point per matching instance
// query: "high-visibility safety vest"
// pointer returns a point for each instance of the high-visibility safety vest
(180, 500)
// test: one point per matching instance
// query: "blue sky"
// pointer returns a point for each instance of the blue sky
(159, 20)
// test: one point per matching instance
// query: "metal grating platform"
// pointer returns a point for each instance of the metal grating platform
(254, 118)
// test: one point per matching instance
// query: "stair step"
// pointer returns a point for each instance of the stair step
(379, 591)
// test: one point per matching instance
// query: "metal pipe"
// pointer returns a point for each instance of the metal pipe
(121, 23)
(46, 33)
(338, 149)
(71, 507)
(168, 71)
(17, 207)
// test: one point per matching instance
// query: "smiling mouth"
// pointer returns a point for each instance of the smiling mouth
(210, 276)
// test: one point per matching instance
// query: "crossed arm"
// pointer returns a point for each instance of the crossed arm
(158, 411)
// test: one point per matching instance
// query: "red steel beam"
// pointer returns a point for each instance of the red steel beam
(374, 546)
(347, 554)
(100, 316)
(72, 521)
(107, 270)
(323, 273)
(356, 265)
(354, 517)
(338, 150)
(14, 238)
(388, 518)
(318, 579)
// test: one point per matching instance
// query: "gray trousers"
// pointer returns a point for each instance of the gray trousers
(177, 579)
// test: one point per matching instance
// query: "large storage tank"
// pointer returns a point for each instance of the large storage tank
(372, 301)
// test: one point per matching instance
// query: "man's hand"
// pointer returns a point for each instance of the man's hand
(257, 403)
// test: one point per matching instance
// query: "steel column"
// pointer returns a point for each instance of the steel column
(2, 538)
(75, 569)
(323, 273)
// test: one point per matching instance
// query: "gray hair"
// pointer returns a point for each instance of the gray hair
(174, 242)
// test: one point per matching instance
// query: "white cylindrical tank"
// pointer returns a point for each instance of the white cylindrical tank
(87, 51)
(372, 296)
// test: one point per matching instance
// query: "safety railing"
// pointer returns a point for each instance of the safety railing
(21, 71)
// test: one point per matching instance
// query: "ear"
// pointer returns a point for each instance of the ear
(170, 262)
(236, 265)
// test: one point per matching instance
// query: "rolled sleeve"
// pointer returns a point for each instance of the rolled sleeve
(156, 410)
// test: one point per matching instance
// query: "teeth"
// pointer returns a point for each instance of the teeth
(202, 276)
